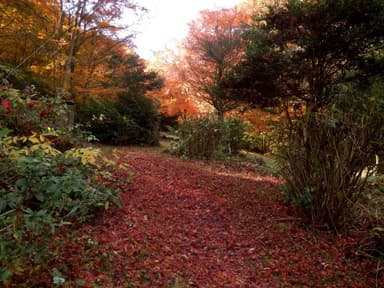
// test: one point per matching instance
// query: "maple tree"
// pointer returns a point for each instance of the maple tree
(186, 83)
(212, 47)
(175, 98)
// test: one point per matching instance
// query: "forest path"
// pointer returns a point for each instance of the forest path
(212, 224)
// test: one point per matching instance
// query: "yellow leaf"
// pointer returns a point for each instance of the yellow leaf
(378, 229)
(33, 139)
(123, 166)
(18, 268)
(42, 138)
(41, 35)
(106, 205)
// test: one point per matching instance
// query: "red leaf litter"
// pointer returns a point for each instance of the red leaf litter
(207, 224)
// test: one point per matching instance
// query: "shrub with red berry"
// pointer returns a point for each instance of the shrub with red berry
(27, 112)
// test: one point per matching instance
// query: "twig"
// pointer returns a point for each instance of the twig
(7, 212)
(289, 219)
(5, 228)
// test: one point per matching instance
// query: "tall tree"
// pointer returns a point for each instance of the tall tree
(308, 49)
(82, 19)
(213, 46)
(132, 116)
(26, 34)
(52, 38)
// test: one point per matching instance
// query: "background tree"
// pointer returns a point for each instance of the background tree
(83, 19)
(26, 42)
(175, 98)
(72, 49)
(49, 39)
(212, 47)
(131, 116)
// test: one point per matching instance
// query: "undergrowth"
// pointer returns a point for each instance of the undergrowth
(209, 138)
(47, 181)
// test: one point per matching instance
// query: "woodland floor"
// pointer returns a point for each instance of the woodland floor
(209, 224)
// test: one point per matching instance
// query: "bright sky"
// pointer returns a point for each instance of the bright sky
(167, 22)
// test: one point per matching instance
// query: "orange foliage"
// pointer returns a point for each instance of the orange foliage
(175, 97)
(213, 46)
(210, 49)
(190, 74)
(67, 43)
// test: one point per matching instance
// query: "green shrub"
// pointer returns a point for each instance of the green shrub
(41, 187)
(206, 138)
(167, 121)
(40, 192)
(330, 156)
(101, 119)
(370, 211)
(130, 120)
(22, 78)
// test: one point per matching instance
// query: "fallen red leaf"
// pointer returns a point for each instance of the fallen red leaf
(205, 224)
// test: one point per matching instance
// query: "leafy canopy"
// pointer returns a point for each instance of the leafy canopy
(307, 49)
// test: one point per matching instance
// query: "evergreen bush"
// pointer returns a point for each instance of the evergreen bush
(130, 120)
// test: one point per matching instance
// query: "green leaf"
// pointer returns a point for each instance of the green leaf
(4, 132)
(21, 185)
(4, 274)
(40, 196)
(80, 282)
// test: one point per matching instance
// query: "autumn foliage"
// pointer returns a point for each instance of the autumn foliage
(309, 72)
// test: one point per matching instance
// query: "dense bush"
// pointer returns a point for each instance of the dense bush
(40, 190)
(206, 138)
(41, 187)
(308, 53)
(25, 111)
(130, 120)
(329, 156)
(143, 112)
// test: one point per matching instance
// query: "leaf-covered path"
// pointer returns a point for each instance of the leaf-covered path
(198, 224)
